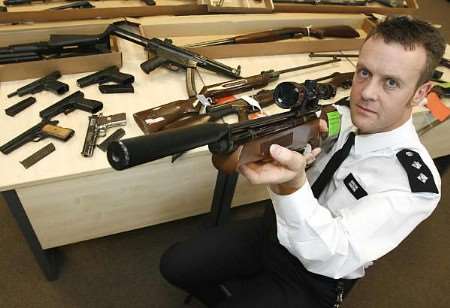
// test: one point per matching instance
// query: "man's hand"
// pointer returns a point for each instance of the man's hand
(285, 174)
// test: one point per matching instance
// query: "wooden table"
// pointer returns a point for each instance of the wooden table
(67, 198)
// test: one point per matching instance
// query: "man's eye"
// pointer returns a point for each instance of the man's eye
(391, 83)
(363, 73)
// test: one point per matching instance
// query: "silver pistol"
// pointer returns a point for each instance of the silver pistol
(98, 124)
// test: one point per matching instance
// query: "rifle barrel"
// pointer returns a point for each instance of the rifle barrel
(134, 151)
(334, 55)
(334, 60)
(210, 43)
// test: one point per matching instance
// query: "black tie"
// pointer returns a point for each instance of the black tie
(332, 165)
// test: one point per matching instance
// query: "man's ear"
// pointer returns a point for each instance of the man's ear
(421, 93)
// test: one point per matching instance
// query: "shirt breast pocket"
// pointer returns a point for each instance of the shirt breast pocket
(348, 190)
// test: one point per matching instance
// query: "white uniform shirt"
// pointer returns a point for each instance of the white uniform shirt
(339, 235)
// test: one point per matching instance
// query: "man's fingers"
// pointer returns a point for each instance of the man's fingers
(323, 126)
(289, 159)
(311, 157)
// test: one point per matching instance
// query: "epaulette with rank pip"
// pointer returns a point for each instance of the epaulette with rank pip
(419, 175)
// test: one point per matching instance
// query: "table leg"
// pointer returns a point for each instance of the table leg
(223, 196)
(46, 258)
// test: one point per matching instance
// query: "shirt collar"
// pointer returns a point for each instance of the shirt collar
(401, 137)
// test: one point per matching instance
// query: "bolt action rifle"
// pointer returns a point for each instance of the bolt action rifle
(235, 144)
(154, 119)
(342, 31)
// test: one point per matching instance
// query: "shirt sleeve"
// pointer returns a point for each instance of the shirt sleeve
(337, 246)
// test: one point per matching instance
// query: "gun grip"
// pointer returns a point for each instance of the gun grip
(56, 87)
(152, 64)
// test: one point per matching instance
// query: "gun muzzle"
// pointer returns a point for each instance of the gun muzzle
(130, 152)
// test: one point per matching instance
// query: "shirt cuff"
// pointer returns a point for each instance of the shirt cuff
(298, 206)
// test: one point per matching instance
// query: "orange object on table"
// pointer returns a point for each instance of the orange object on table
(437, 107)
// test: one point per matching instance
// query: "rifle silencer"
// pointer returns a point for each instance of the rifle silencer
(130, 152)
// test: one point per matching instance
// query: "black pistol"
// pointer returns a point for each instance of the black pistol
(73, 5)
(38, 132)
(70, 103)
(109, 74)
(46, 83)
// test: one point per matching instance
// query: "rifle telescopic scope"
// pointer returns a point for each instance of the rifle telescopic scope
(289, 95)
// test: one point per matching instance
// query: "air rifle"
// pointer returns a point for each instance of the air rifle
(342, 31)
(153, 119)
(239, 143)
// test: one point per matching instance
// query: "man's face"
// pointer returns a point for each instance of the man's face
(385, 85)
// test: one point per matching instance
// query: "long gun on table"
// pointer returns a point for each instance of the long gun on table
(390, 3)
(57, 46)
(443, 62)
(243, 108)
(235, 144)
(153, 119)
(165, 54)
(342, 31)
(172, 56)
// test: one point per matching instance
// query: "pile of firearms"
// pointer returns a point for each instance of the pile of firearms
(204, 107)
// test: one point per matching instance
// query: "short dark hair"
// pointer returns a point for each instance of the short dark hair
(410, 32)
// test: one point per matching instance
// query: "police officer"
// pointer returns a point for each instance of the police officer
(357, 202)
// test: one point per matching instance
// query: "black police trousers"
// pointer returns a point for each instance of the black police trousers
(242, 264)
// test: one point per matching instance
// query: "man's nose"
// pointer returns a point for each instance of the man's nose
(370, 90)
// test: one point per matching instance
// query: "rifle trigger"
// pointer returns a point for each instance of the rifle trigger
(172, 67)
(67, 111)
(38, 138)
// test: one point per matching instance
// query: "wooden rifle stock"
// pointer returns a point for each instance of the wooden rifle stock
(295, 138)
(239, 106)
(339, 80)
